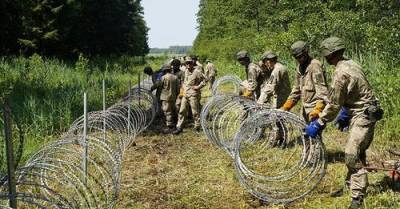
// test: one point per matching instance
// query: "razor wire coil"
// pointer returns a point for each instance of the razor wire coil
(54, 176)
(274, 160)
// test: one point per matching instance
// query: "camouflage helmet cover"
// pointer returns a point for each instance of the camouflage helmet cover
(269, 55)
(166, 67)
(299, 48)
(188, 60)
(242, 54)
(330, 45)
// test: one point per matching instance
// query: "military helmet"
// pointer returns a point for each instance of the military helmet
(242, 54)
(188, 59)
(269, 55)
(175, 62)
(330, 45)
(299, 48)
(166, 67)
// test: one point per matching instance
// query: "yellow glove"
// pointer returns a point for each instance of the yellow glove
(247, 93)
(319, 107)
(181, 92)
(289, 104)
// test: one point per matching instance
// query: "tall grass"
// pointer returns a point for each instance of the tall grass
(46, 94)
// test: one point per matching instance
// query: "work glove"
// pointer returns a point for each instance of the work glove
(314, 114)
(181, 92)
(313, 129)
(289, 104)
(342, 122)
(247, 93)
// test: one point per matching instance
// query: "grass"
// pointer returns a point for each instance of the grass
(186, 171)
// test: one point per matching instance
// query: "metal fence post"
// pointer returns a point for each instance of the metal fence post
(104, 110)
(85, 141)
(129, 109)
(12, 190)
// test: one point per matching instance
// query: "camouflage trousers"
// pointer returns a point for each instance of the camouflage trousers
(211, 80)
(194, 103)
(168, 110)
(361, 136)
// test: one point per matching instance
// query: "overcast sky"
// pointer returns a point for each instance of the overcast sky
(171, 22)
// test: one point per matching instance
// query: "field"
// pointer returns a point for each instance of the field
(183, 171)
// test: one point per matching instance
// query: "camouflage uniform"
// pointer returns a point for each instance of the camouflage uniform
(276, 88)
(210, 73)
(191, 96)
(310, 87)
(350, 89)
(169, 86)
(254, 79)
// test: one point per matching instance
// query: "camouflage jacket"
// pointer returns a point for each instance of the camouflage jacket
(349, 89)
(276, 87)
(192, 79)
(311, 87)
(169, 86)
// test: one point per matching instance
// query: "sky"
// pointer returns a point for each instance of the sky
(171, 22)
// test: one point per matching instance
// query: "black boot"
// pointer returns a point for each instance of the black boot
(177, 131)
(356, 203)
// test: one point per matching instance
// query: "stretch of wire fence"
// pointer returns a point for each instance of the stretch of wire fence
(273, 159)
(82, 169)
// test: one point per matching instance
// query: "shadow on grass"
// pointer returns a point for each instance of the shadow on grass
(335, 156)
(387, 184)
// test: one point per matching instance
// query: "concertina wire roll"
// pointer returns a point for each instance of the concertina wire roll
(273, 159)
(54, 176)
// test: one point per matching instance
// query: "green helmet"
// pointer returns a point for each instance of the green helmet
(166, 67)
(188, 59)
(269, 55)
(299, 48)
(242, 54)
(330, 45)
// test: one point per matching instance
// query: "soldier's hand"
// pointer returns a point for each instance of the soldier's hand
(342, 122)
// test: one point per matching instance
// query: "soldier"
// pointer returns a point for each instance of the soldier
(176, 70)
(254, 78)
(350, 91)
(155, 78)
(169, 87)
(276, 86)
(310, 84)
(210, 72)
(197, 63)
(194, 80)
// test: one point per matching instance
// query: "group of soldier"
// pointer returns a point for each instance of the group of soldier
(178, 86)
(349, 99)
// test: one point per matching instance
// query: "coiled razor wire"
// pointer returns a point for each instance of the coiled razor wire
(228, 84)
(274, 161)
(54, 177)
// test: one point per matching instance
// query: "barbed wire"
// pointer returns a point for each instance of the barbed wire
(274, 160)
(55, 177)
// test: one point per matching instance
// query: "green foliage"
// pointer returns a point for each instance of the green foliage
(46, 95)
(228, 26)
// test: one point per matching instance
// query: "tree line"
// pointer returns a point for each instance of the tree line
(228, 26)
(70, 27)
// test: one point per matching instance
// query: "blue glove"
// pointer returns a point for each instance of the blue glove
(342, 122)
(313, 129)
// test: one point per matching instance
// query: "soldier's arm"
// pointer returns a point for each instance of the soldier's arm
(319, 80)
(157, 85)
(336, 98)
(295, 94)
(252, 79)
